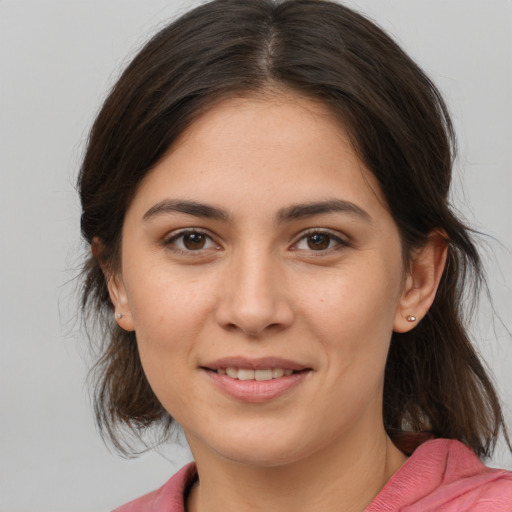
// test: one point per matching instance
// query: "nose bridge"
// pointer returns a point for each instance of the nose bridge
(253, 297)
(254, 270)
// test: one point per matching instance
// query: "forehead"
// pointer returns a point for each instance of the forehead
(263, 151)
(263, 122)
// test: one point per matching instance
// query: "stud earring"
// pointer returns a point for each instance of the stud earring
(119, 316)
(411, 318)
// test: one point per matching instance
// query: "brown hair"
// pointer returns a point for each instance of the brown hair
(401, 129)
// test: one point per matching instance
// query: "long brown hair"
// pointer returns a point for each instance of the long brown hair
(401, 129)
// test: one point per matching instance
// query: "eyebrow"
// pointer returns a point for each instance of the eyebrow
(287, 214)
(300, 211)
(189, 207)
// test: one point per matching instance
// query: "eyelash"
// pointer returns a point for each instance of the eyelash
(340, 243)
(171, 240)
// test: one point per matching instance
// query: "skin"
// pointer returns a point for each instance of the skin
(324, 289)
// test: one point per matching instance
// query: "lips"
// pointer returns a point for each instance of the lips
(261, 363)
(250, 374)
(256, 380)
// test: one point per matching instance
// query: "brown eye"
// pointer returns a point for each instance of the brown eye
(190, 241)
(194, 241)
(318, 241)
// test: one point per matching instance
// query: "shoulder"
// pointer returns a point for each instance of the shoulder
(169, 498)
(445, 475)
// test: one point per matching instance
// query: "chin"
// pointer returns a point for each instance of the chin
(262, 456)
(261, 448)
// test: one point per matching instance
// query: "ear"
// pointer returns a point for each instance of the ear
(116, 289)
(424, 275)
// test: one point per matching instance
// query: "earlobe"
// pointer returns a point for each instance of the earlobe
(425, 272)
(116, 289)
(119, 299)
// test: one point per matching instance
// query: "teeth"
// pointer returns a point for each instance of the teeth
(263, 374)
(232, 372)
(248, 374)
(245, 374)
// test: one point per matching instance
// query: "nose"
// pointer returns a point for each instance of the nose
(253, 297)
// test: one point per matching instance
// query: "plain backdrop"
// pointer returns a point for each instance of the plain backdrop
(57, 60)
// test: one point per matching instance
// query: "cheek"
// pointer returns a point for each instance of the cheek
(169, 314)
(353, 311)
(165, 300)
(359, 295)
(168, 325)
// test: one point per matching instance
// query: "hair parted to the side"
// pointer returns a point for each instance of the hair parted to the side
(401, 130)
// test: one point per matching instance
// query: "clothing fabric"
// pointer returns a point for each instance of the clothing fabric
(441, 475)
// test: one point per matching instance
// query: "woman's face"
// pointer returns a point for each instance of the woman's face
(258, 247)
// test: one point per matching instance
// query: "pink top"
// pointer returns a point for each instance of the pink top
(441, 475)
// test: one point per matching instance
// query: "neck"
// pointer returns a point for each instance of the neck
(345, 476)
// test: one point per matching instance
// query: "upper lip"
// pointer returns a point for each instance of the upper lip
(260, 363)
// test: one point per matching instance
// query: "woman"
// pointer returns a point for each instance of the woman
(276, 268)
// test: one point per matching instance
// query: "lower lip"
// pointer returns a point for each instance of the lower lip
(257, 391)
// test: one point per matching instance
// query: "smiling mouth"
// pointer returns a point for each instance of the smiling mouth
(257, 380)
(259, 375)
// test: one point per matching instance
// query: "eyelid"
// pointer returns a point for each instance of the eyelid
(174, 235)
(333, 235)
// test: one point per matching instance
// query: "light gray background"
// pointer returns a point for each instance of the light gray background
(57, 60)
